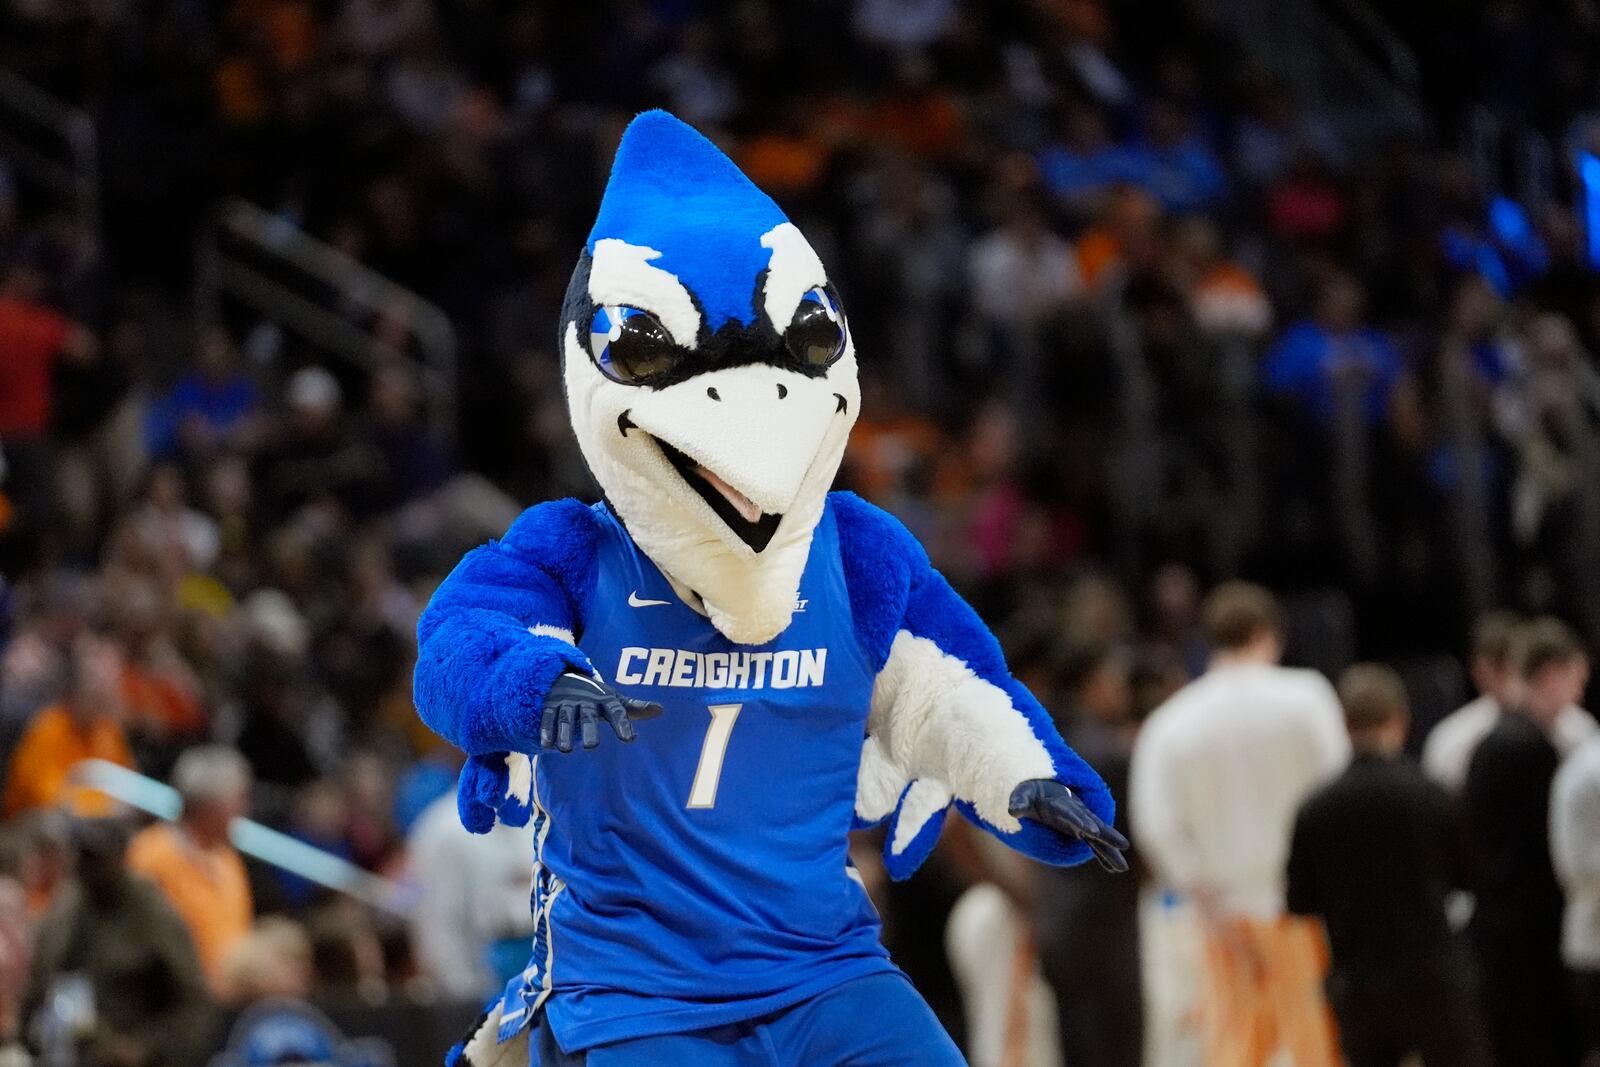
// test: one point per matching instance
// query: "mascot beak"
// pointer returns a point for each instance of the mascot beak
(744, 438)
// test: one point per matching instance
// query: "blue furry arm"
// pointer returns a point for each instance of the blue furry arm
(948, 721)
(500, 629)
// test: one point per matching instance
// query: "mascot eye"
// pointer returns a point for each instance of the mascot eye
(816, 333)
(630, 346)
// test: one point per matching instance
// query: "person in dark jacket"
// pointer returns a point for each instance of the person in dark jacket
(1516, 925)
(113, 945)
(1374, 855)
(1088, 924)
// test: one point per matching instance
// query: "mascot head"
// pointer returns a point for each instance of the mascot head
(709, 373)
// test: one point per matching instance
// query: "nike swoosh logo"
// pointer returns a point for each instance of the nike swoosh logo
(635, 602)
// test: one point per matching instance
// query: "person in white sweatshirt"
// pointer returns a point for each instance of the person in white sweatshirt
(472, 896)
(1575, 852)
(1218, 774)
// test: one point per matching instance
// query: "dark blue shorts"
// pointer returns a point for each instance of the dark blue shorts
(876, 1021)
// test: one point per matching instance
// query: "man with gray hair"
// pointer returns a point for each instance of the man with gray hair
(191, 860)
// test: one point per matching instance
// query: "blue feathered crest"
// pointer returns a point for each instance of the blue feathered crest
(672, 190)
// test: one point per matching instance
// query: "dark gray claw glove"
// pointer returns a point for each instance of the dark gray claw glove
(1047, 801)
(578, 704)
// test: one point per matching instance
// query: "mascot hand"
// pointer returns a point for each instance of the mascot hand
(577, 703)
(1051, 803)
(486, 789)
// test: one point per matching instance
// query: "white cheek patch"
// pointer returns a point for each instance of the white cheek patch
(620, 273)
(632, 470)
(843, 378)
(586, 388)
(793, 271)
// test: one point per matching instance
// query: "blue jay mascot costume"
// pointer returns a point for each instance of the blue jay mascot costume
(804, 670)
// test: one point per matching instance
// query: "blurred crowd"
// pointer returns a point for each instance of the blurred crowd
(1306, 891)
(1133, 316)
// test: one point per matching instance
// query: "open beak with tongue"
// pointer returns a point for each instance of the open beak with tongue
(743, 515)
(744, 439)
(748, 510)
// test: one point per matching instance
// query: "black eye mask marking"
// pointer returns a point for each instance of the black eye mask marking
(733, 344)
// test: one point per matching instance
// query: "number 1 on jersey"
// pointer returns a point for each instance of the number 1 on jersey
(703, 794)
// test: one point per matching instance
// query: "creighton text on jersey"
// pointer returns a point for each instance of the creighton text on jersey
(681, 668)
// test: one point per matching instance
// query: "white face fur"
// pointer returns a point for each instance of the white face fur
(772, 436)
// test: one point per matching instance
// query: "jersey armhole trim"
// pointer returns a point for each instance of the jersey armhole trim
(863, 654)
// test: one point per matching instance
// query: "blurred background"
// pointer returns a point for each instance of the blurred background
(1148, 295)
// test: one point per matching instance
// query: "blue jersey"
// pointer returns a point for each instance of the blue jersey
(700, 875)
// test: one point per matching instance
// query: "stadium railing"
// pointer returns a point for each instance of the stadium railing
(250, 838)
(52, 145)
(266, 262)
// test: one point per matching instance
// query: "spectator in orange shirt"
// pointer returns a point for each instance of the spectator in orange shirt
(791, 157)
(160, 693)
(1223, 297)
(191, 860)
(1127, 235)
(894, 451)
(84, 725)
(918, 115)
